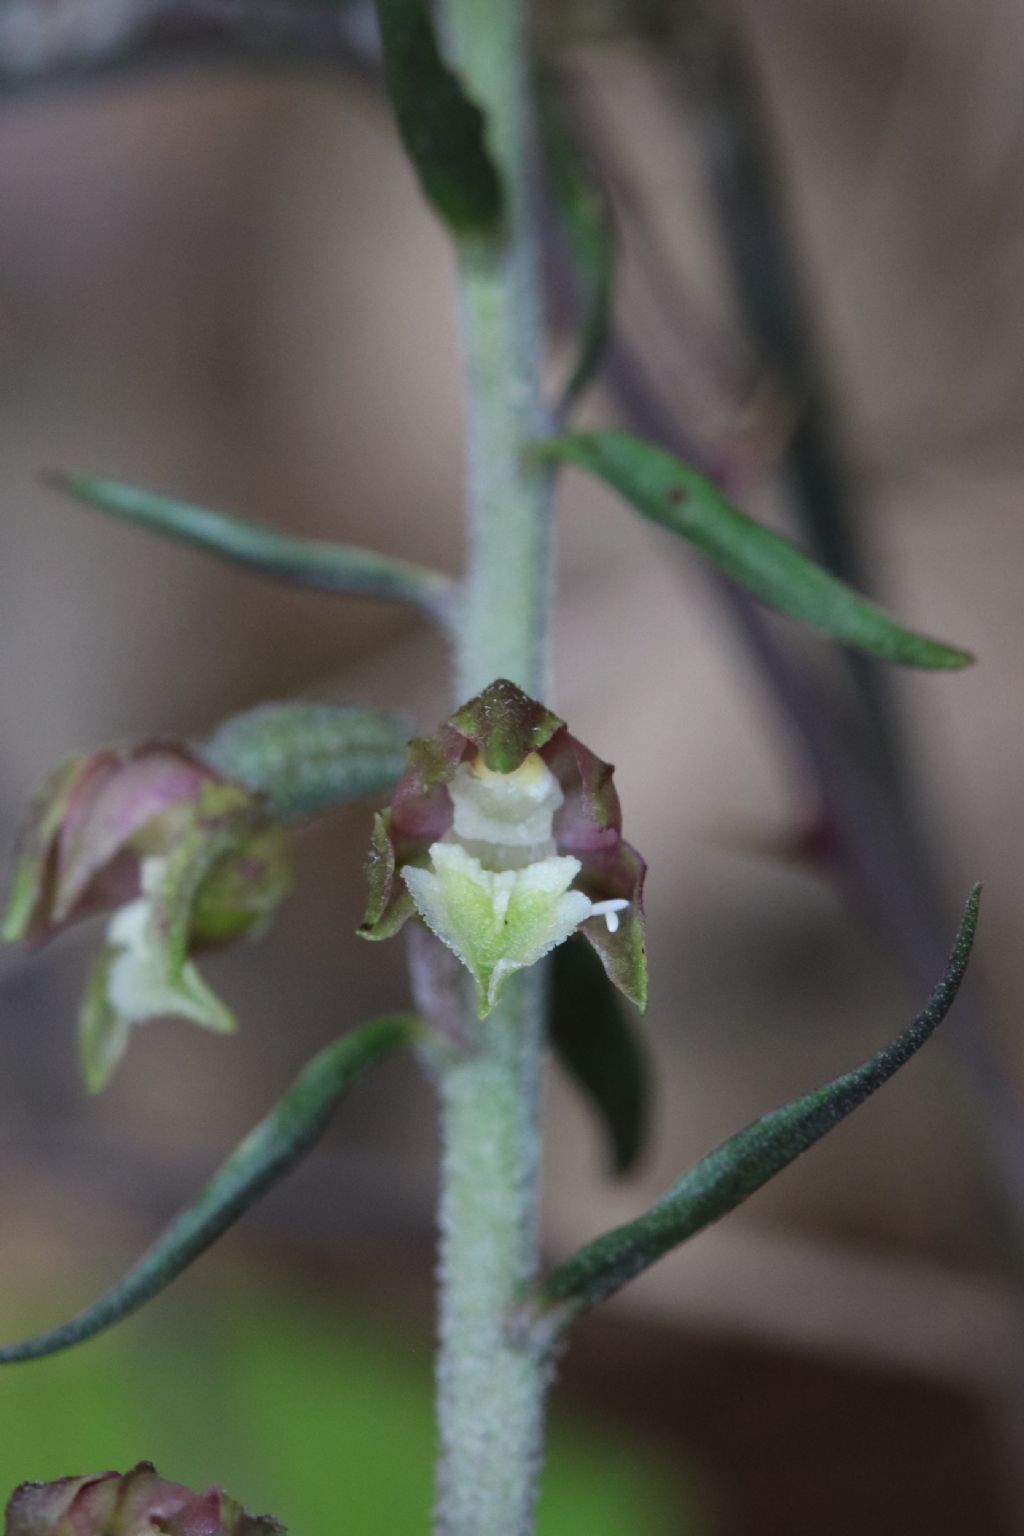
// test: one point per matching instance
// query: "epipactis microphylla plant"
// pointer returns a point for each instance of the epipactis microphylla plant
(499, 842)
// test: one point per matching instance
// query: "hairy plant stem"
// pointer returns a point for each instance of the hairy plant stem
(490, 1385)
(508, 586)
(491, 1388)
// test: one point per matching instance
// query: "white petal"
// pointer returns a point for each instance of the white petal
(138, 986)
(510, 810)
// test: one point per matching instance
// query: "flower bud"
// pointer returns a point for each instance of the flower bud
(504, 835)
(140, 1503)
(181, 857)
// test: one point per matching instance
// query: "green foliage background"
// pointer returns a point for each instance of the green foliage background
(299, 1412)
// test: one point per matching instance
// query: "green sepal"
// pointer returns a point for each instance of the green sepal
(597, 1045)
(103, 1033)
(243, 889)
(222, 820)
(389, 905)
(431, 762)
(399, 911)
(282, 1139)
(307, 757)
(32, 871)
(442, 129)
(380, 869)
(623, 954)
(742, 1165)
(592, 801)
(505, 725)
(622, 950)
(668, 492)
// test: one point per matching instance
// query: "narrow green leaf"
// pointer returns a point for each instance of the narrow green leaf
(585, 216)
(669, 493)
(291, 1129)
(308, 757)
(597, 1045)
(317, 564)
(740, 1166)
(443, 131)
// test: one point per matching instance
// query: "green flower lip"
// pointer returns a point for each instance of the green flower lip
(494, 737)
(496, 921)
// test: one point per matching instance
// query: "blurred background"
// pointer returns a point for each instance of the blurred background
(218, 279)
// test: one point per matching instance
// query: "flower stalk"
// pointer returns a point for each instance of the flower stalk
(490, 1389)
(509, 585)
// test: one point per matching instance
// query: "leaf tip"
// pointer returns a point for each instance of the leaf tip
(953, 659)
(70, 482)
